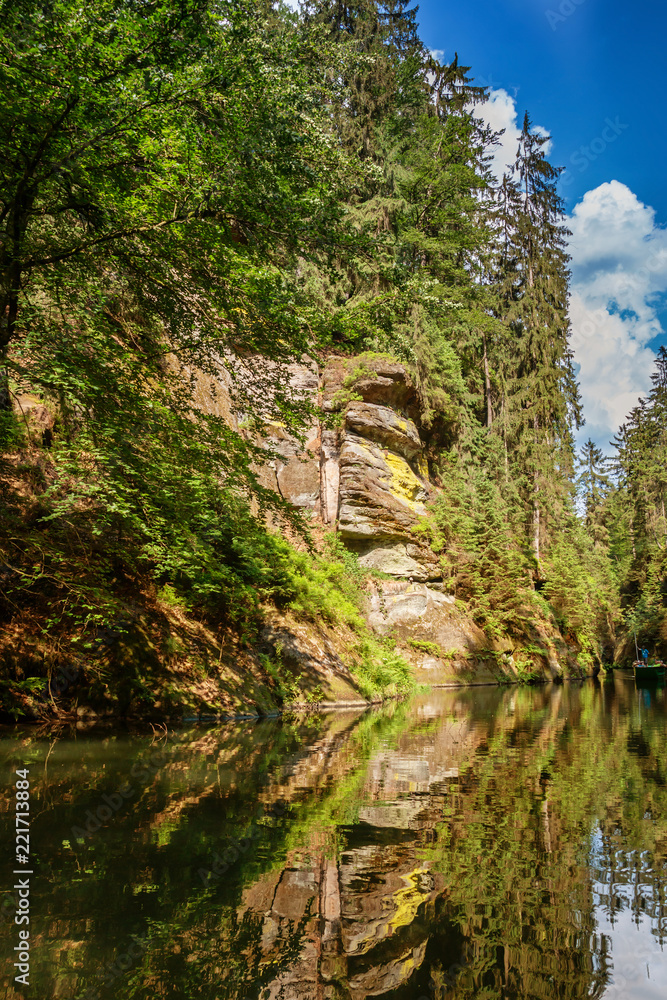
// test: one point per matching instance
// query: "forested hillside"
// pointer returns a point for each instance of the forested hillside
(196, 194)
(624, 499)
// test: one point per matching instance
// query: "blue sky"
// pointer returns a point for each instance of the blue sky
(593, 73)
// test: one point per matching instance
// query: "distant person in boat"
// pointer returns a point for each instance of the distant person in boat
(645, 655)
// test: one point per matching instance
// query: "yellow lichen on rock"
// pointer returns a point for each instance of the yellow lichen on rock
(404, 484)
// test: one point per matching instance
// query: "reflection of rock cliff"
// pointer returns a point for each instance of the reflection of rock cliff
(366, 915)
(378, 912)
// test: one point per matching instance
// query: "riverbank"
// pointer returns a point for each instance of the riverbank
(160, 663)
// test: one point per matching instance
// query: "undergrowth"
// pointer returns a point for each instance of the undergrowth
(76, 575)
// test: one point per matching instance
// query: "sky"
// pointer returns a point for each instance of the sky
(593, 74)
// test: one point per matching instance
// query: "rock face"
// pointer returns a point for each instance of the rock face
(384, 426)
(362, 470)
(383, 481)
(295, 473)
(308, 656)
(374, 379)
(361, 467)
(408, 608)
(446, 647)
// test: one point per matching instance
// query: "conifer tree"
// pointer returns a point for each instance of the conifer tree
(636, 513)
(505, 287)
(594, 485)
(593, 480)
(544, 396)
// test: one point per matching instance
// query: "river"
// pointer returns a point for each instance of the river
(481, 843)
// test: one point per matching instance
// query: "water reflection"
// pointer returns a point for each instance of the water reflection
(472, 844)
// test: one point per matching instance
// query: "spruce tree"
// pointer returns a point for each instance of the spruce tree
(637, 515)
(544, 399)
(594, 484)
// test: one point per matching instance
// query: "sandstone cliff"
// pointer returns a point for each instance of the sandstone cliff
(362, 472)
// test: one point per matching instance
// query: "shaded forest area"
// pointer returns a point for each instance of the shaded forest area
(193, 190)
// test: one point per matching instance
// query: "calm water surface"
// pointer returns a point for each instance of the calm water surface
(471, 844)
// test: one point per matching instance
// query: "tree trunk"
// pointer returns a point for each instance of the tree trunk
(9, 310)
(536, 504)
(503, 420)
(5, 396)
(487, 386)
(536, 521)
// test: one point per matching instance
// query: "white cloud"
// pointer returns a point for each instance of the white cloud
(619, 268)
(614, 367)
(548, 145)
(500, 113)
(619, 271)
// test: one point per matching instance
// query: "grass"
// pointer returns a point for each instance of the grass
(379, 669)
(328, 586)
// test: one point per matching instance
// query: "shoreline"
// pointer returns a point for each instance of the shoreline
(90, 719)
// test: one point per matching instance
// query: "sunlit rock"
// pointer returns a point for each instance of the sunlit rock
(384, 426)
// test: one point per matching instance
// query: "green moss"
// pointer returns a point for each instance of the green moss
(426, 647)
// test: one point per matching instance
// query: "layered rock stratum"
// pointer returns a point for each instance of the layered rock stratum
(362, 471)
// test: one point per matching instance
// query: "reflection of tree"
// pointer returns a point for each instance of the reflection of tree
(405, 853)
(518, 858)
(218, 956)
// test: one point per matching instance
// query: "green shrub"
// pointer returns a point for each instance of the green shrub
(379, 669)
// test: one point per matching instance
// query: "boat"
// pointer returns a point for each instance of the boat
(649, 671)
